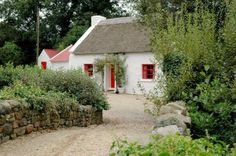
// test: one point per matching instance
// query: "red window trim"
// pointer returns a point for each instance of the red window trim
(88, 68)
(148, 73)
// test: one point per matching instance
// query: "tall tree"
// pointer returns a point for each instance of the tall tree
(10, 52)
(57, 19)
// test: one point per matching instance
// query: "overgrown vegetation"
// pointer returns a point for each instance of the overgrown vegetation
(42, 88)
(197, 42)
(35, 98)
(172, 145)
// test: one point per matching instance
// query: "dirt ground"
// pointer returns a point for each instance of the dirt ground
(125, 119)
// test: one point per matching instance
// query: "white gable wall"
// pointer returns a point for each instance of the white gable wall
(134, 63)
(60, 65)
(43, 57)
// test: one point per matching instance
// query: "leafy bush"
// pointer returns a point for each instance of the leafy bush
(7, 75)
(74, 83)
(37, 99)
(211, 108)
(77, 84)
(198, 47)
(171, 145)
(172, 63)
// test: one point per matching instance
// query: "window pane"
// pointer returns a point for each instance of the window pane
(148, 71)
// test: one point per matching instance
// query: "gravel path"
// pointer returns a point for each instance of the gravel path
(125, 119)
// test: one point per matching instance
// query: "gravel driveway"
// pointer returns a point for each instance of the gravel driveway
(125, 119)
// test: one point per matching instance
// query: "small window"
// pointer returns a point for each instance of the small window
(44, 65)
(148, 71)
(88, 68)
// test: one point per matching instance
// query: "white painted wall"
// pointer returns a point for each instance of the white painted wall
(78, 61)
(134, 63)
(59, 65)
(43, 57)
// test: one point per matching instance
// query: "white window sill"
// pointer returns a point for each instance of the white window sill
(147, 80)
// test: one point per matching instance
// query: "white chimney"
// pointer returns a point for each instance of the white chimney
(96, 19)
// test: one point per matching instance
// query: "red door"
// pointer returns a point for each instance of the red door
(44, 65)
(112, 76)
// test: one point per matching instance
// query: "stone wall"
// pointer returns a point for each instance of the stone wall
(17, 120)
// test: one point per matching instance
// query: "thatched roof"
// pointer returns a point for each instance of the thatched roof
(119, 35)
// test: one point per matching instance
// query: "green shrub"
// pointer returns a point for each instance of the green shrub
(172, 63)
(212, 109)
(7, 75)
(170, 146)
(198, 47)
(35, 98)
(77, 84)
(73, 82)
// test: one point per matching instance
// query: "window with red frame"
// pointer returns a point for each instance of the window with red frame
(44, 65)
(148, 71)
(88, 68)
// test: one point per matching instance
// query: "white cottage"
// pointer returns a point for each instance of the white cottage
(54, 60)
(119, 36)
(45, 57)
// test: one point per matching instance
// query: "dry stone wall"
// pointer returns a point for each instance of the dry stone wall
(17, 120)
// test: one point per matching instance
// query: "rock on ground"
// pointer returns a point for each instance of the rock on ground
(164, 131)
(172, 119)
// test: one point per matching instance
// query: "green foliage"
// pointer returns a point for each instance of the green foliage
(71, 37)
(171, 145)
(7, 75)
(35, 98)
(74, 83)
(172, 63)
(57, 21)
(77, 84)
(211, 108)
(198, 47)
(10, 52)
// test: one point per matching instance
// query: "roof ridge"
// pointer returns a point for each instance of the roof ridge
(118, 20)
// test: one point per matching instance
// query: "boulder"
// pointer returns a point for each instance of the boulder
(164, 131)
(29, 128)
(179, 103)
(15, 124)
(169, 109)
(172, 119)
(13, 103)
(5, 107)
(5, 139)
(23, 122)
(2, 120)
(36, 124)
(19, 131)
(18, 115)
(177, 107)
(7, 129)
